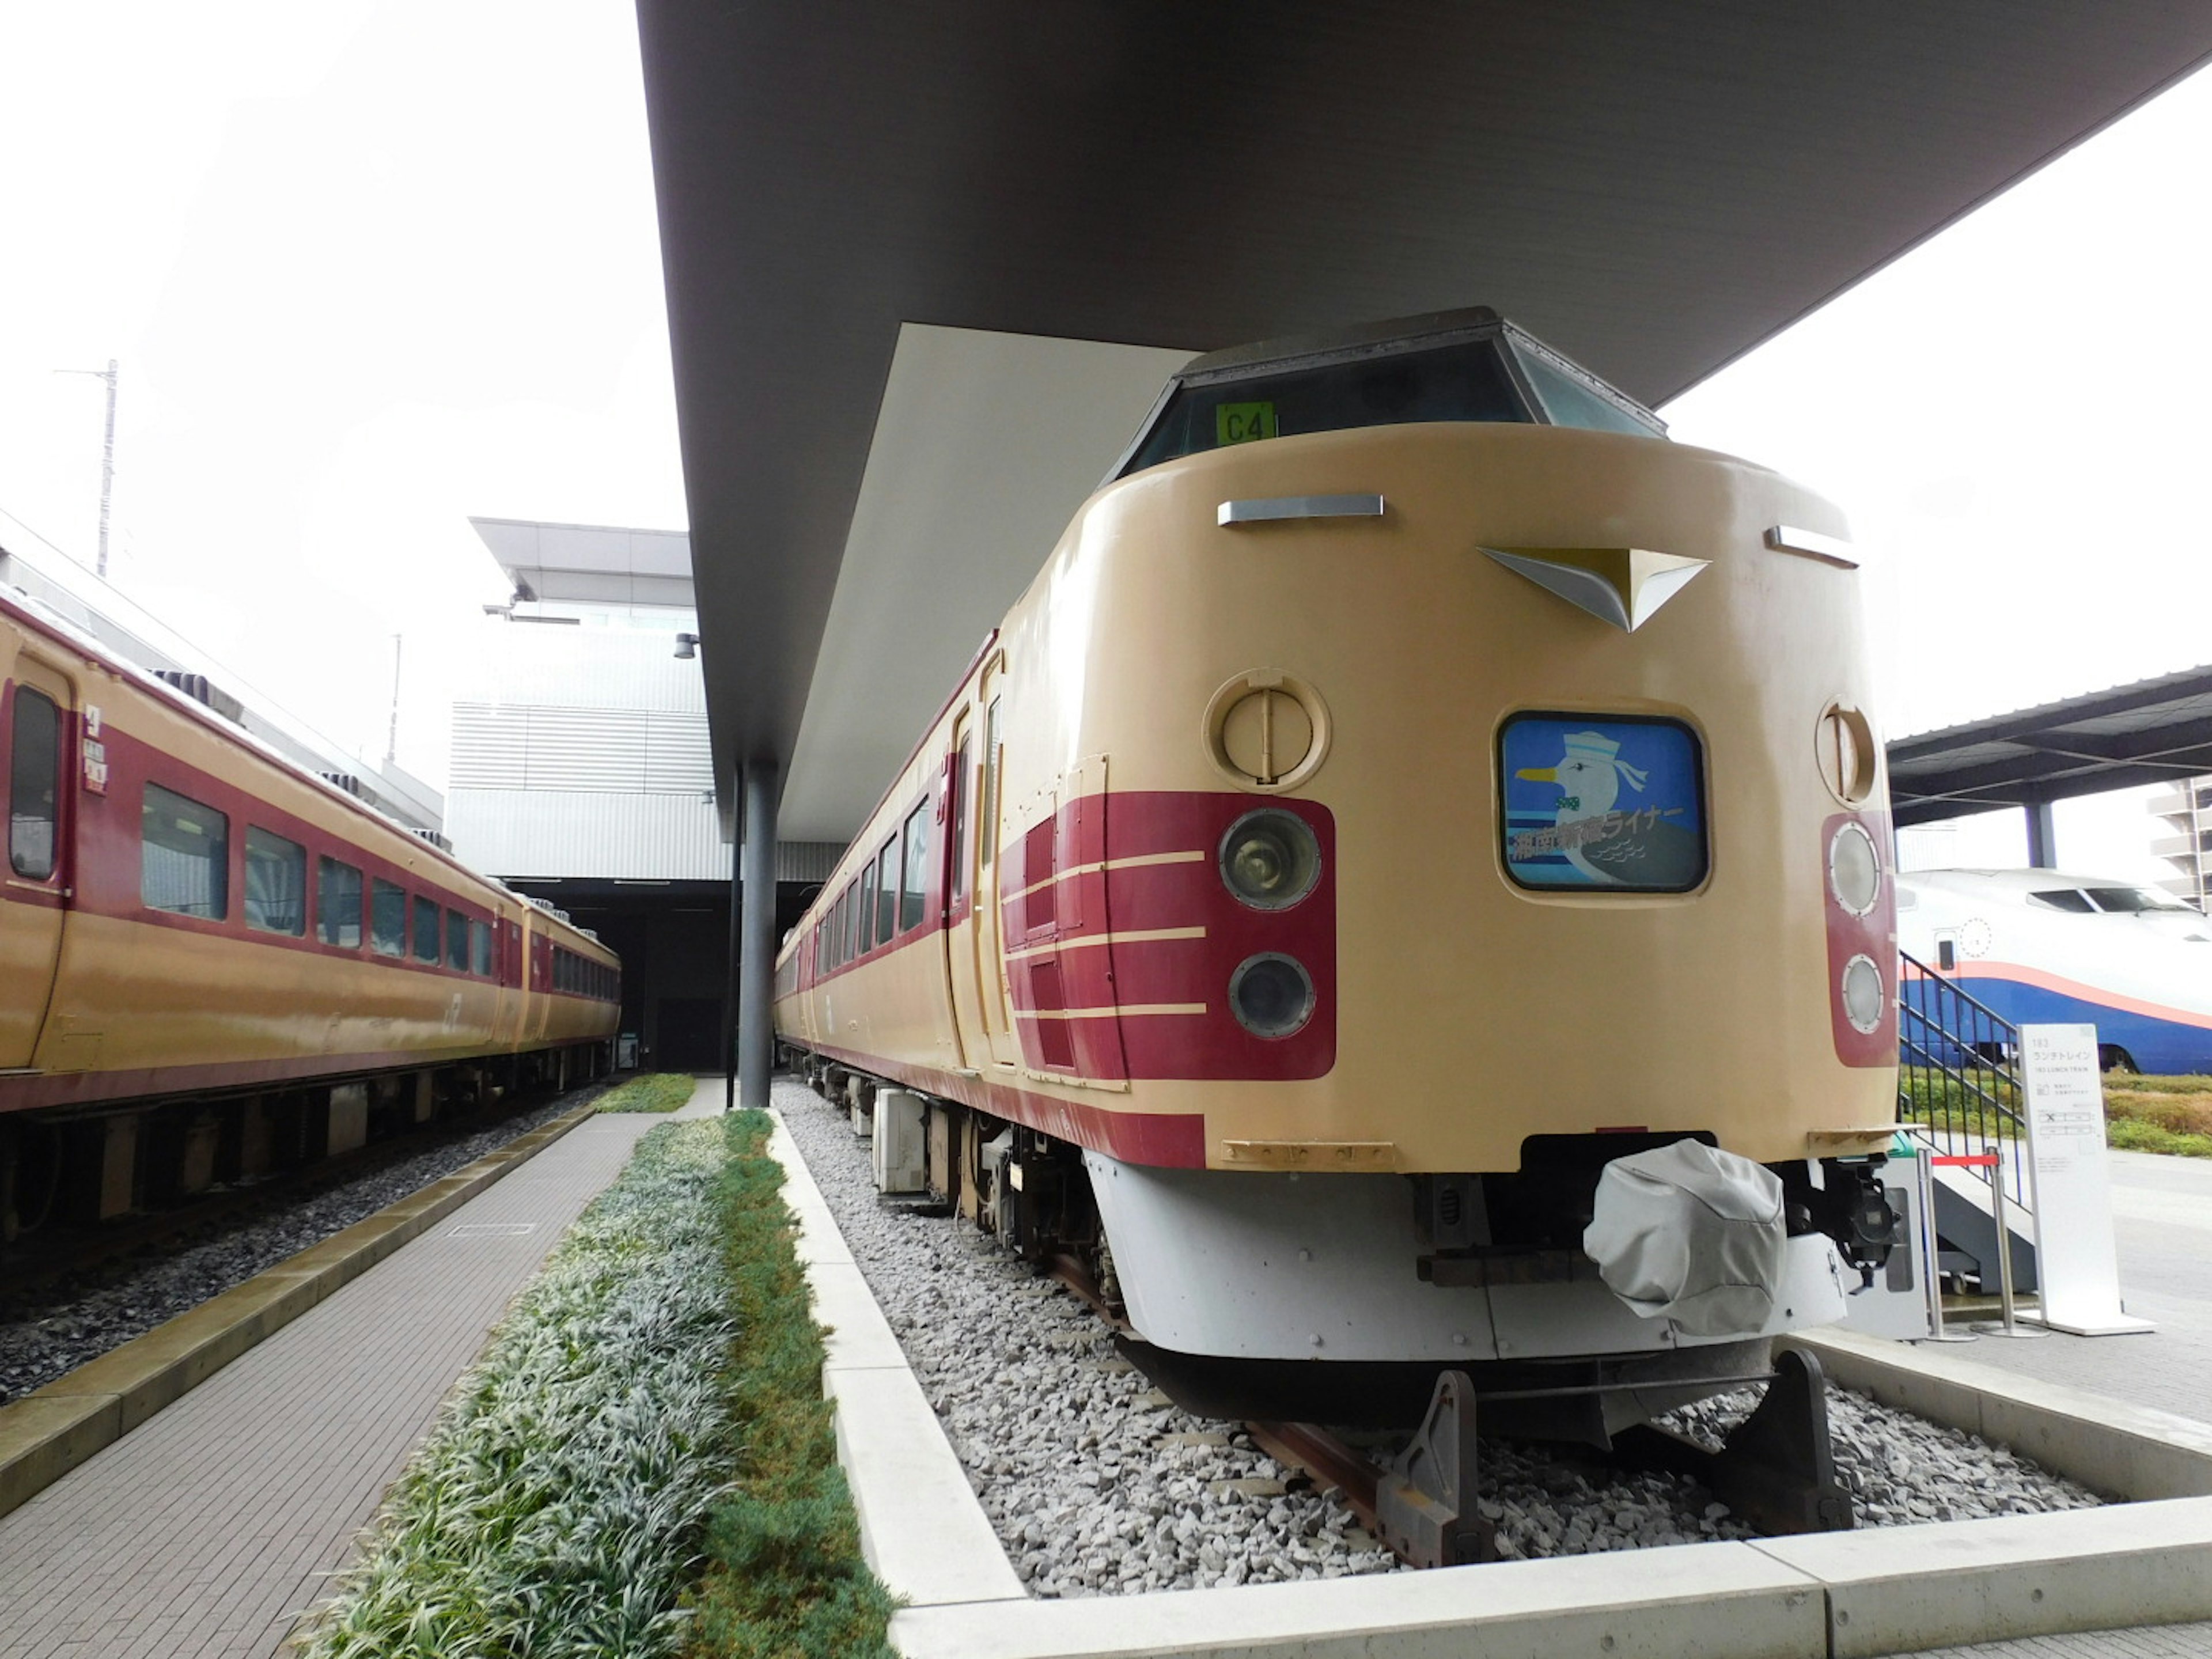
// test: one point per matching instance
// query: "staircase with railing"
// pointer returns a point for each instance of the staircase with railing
(1960, 1092)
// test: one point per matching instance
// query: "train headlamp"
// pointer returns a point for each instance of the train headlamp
(1862, 990)
(1270, 860)
(1854, 869)
(1271, 994)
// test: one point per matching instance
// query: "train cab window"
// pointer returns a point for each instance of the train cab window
(425, 930)
(2064, 898)
(276, 884)
(480, 948)
(184, 860)
(2129, 901)
(338, 904)
(912, 891)
(387, 918)
(1475, 367)
(887, 882)
(960, 821)
(457, 940)
(33, 785)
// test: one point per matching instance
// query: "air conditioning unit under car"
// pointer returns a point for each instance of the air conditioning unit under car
(900, 1145)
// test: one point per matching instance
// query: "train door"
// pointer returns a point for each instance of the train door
(538, 982)
(984, 967)
(39, 776)
(957, 913)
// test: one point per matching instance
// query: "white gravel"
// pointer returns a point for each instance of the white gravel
(51, 1338)
(1098, 1484)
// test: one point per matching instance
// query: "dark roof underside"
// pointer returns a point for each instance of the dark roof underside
(2152, 731)
(1652, 189)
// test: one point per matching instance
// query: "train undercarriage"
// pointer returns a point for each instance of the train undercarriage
(82, 1167)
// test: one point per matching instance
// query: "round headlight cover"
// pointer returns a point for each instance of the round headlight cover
(1862, 990)
(1271, 994)
(1270, 859)
(1854, 869)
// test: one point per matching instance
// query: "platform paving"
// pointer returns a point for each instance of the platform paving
(206, 1531)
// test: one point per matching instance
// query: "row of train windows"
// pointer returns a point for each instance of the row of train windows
(184, 869)
(888, 894)
(584, 976)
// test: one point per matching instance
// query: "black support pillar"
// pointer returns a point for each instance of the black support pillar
(756, 953)
(2042, 836)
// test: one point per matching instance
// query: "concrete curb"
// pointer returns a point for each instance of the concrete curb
(922, 1531)
(52, 1430)
(1846, 1596)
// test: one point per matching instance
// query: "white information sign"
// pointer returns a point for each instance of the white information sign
(2075, 1264)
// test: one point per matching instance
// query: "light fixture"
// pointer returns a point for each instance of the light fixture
(687, 647)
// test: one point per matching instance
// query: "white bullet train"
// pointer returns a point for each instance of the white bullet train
(2037, 946)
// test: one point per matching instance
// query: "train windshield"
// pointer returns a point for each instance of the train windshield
(2128, 900)
(1481, 370)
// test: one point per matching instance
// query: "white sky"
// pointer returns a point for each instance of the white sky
(371, 268)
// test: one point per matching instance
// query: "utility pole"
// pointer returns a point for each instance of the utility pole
(107, 456)
(392, 731)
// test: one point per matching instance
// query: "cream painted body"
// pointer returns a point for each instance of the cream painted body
(1469, 1013)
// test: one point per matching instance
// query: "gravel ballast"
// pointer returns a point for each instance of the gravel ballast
(48, 1341)
(1097, 1484)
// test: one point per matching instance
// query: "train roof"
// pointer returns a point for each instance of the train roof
(1468, 365)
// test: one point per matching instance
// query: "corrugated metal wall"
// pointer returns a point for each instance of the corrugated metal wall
(637, 752)
(586, 834)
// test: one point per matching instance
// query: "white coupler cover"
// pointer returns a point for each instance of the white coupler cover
(1690, 1234)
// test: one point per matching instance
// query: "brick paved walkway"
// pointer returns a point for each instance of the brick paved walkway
(208, 1530)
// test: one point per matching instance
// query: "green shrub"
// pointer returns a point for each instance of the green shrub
(558, 1506)
(785, 1578)
(656, 1091)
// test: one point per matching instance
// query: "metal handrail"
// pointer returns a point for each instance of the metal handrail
(1957, 1053)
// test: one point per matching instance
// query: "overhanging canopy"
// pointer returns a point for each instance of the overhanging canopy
(1653, 189)
(2156, 730)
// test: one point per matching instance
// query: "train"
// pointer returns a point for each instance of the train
(1412, 786)
(214, 963)
(2040, 946)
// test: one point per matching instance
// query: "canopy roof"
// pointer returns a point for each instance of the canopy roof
(865, 204)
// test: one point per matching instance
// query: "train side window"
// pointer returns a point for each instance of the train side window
(338, 904)
(887, 882)
(387, 918)
(457, 940)
(34, 785)
(425, 930)
(855, 907)
(960, 821)
(480, 948)
(866, 938)
(184, 860)
(987, 816)
(917, 868)
(276, 884)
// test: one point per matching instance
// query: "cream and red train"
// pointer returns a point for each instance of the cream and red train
(1411, 783)
(212, 963)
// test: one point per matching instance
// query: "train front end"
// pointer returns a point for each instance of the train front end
(1482, 790)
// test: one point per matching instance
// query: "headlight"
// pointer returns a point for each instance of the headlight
(1272, 995)
(1862, 994)
(1270, 860)
(1854, 869)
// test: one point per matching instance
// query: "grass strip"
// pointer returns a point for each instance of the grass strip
(784, 1578)
(556, 1508)
(656, 1091)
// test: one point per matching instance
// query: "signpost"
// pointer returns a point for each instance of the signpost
(2075, 1265)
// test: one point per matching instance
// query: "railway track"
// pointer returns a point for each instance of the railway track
(70, 1294)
